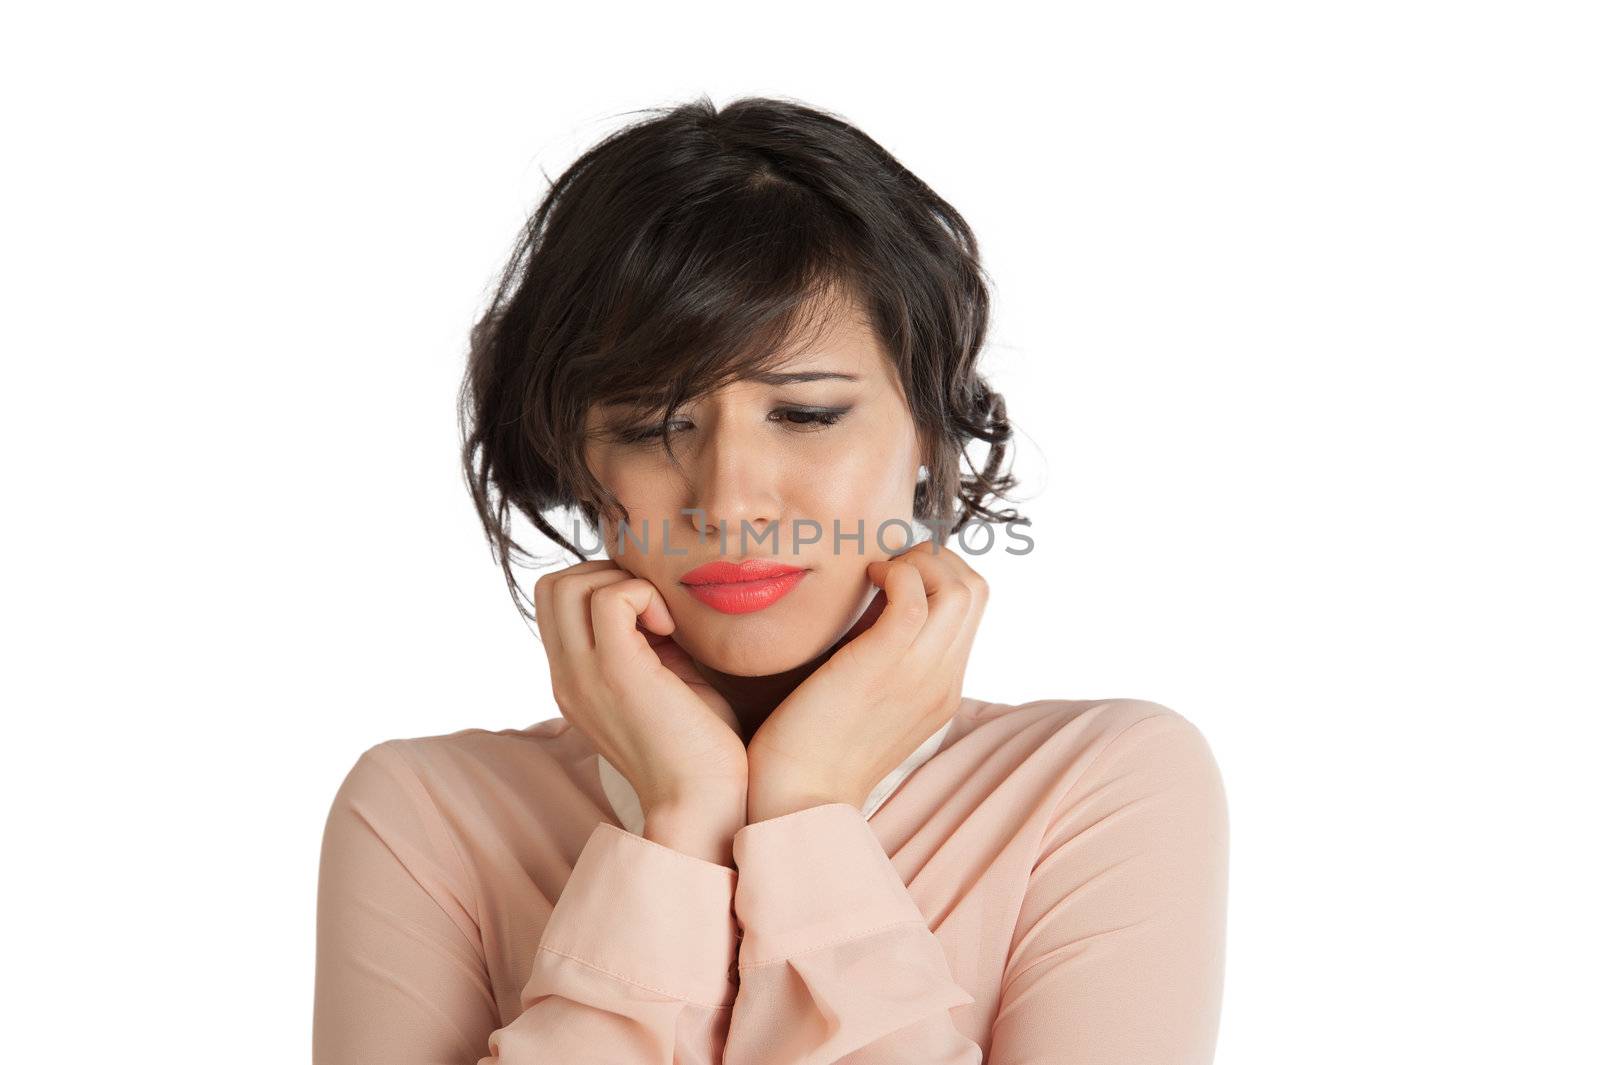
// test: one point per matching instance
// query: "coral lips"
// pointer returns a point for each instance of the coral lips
(741, 588)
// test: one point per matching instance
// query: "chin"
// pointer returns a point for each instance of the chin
(776, 640)
(750, 648)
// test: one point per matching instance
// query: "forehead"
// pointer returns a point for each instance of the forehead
(840, 339)
(836, 344)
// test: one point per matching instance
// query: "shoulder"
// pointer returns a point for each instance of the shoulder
(392, 836)
(1119, 781)
(416, 779)
(1079, 742)
(470, 754)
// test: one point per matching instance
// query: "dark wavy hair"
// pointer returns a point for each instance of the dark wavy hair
(690, 249)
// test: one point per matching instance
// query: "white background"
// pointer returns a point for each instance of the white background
(1295, 311)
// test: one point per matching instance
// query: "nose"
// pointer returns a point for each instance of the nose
(733, 478)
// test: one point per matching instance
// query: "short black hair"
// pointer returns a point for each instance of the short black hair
(689, 249)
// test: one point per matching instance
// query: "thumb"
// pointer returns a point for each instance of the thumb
(871, 614)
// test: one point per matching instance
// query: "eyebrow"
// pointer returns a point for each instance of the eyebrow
(772, 377)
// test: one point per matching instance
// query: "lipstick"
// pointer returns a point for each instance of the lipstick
(741, 588)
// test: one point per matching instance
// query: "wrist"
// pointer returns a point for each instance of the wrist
(773, 792)
(700, 831)
(764, 805)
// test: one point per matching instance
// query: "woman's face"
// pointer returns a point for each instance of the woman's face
(840, 447)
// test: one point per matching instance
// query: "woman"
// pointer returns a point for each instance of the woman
(768, 827)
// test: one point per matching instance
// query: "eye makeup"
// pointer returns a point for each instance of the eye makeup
(800, 419)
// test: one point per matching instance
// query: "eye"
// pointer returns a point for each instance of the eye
(643, 434)
(799, 419)
(810, 419)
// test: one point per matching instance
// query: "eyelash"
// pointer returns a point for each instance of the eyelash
(817, 419)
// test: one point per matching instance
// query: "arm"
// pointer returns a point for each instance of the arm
(1116, 959)
(1118, 952)
(837, 963)
(633, 965)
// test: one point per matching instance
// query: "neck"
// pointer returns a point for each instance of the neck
(754, 698)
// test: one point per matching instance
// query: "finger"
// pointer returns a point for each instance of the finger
(570, 606)
(957, 643)
(544, 609)
(865, 621)
(616, 610)
(905, 609)
(952, 590)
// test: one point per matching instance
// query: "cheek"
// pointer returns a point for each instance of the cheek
(637, 491)
(639, 485)
(872, 479)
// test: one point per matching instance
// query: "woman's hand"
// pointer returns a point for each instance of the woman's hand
(894, 680)
(640, 699)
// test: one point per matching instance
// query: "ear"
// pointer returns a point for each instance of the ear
(924, 454)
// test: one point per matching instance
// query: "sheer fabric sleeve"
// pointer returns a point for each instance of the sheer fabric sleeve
(1116, 958)
(633, 965)
(837, 963)
(1118, 953)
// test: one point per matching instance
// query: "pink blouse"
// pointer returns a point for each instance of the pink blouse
(1044, 882)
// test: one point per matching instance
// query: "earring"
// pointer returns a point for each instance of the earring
(922, 474)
